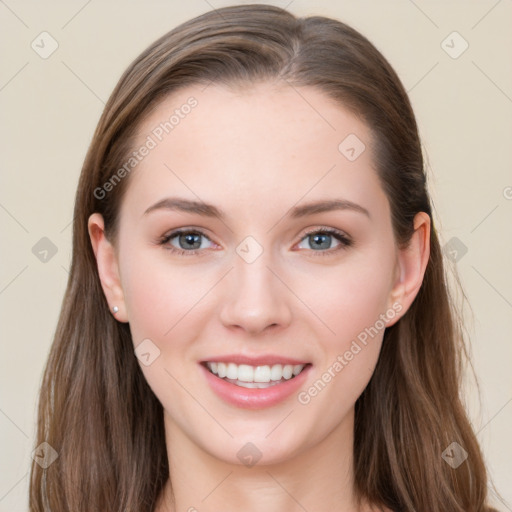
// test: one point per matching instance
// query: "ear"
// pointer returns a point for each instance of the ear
(410, 269)
(108, 269)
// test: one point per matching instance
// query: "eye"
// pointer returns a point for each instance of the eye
(189, 242)
(320, 241)
(185, 242)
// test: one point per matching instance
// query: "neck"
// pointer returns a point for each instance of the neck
(319, 478)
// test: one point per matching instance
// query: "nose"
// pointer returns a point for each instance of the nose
(255, 299)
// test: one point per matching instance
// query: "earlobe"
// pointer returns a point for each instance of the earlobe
(411, 265)
(108, 268)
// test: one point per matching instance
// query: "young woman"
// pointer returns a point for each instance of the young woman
(256, 316)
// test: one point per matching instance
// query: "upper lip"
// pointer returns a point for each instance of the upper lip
(263, 360)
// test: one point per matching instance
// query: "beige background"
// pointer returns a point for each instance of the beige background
(50, 108)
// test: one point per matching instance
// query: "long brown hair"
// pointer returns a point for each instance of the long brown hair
(96, 409)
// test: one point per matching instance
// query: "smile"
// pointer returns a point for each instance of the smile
(266, 382)
(248, 376)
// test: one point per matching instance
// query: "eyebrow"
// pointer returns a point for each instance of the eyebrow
(209, 210)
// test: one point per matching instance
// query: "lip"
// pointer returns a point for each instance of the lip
(264, 360)
(254, 398)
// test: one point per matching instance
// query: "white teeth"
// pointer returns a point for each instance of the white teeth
(276, 373)
(262, 374)
(232, 371)
(287, 371)
(259, 385)
(221, 370)
(245, 373)
(297, 369)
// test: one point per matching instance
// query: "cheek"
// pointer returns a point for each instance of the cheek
(354, 311)
(350, 301)
(350, 355)
(353, 307)
(160, 297)
(164, 307)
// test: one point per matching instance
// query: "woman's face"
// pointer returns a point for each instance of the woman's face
(260, 281)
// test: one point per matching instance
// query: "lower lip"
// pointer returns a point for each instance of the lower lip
(254, 398)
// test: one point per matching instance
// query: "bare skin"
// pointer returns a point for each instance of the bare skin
(255, 154)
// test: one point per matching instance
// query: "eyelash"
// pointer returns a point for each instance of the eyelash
(344, 240)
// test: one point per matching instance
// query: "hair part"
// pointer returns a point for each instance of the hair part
(95, 406)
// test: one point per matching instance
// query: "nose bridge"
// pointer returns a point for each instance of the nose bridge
(255, 298)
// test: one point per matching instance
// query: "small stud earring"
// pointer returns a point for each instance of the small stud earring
(115, 309)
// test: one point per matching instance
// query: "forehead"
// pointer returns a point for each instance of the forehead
(248, 147)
